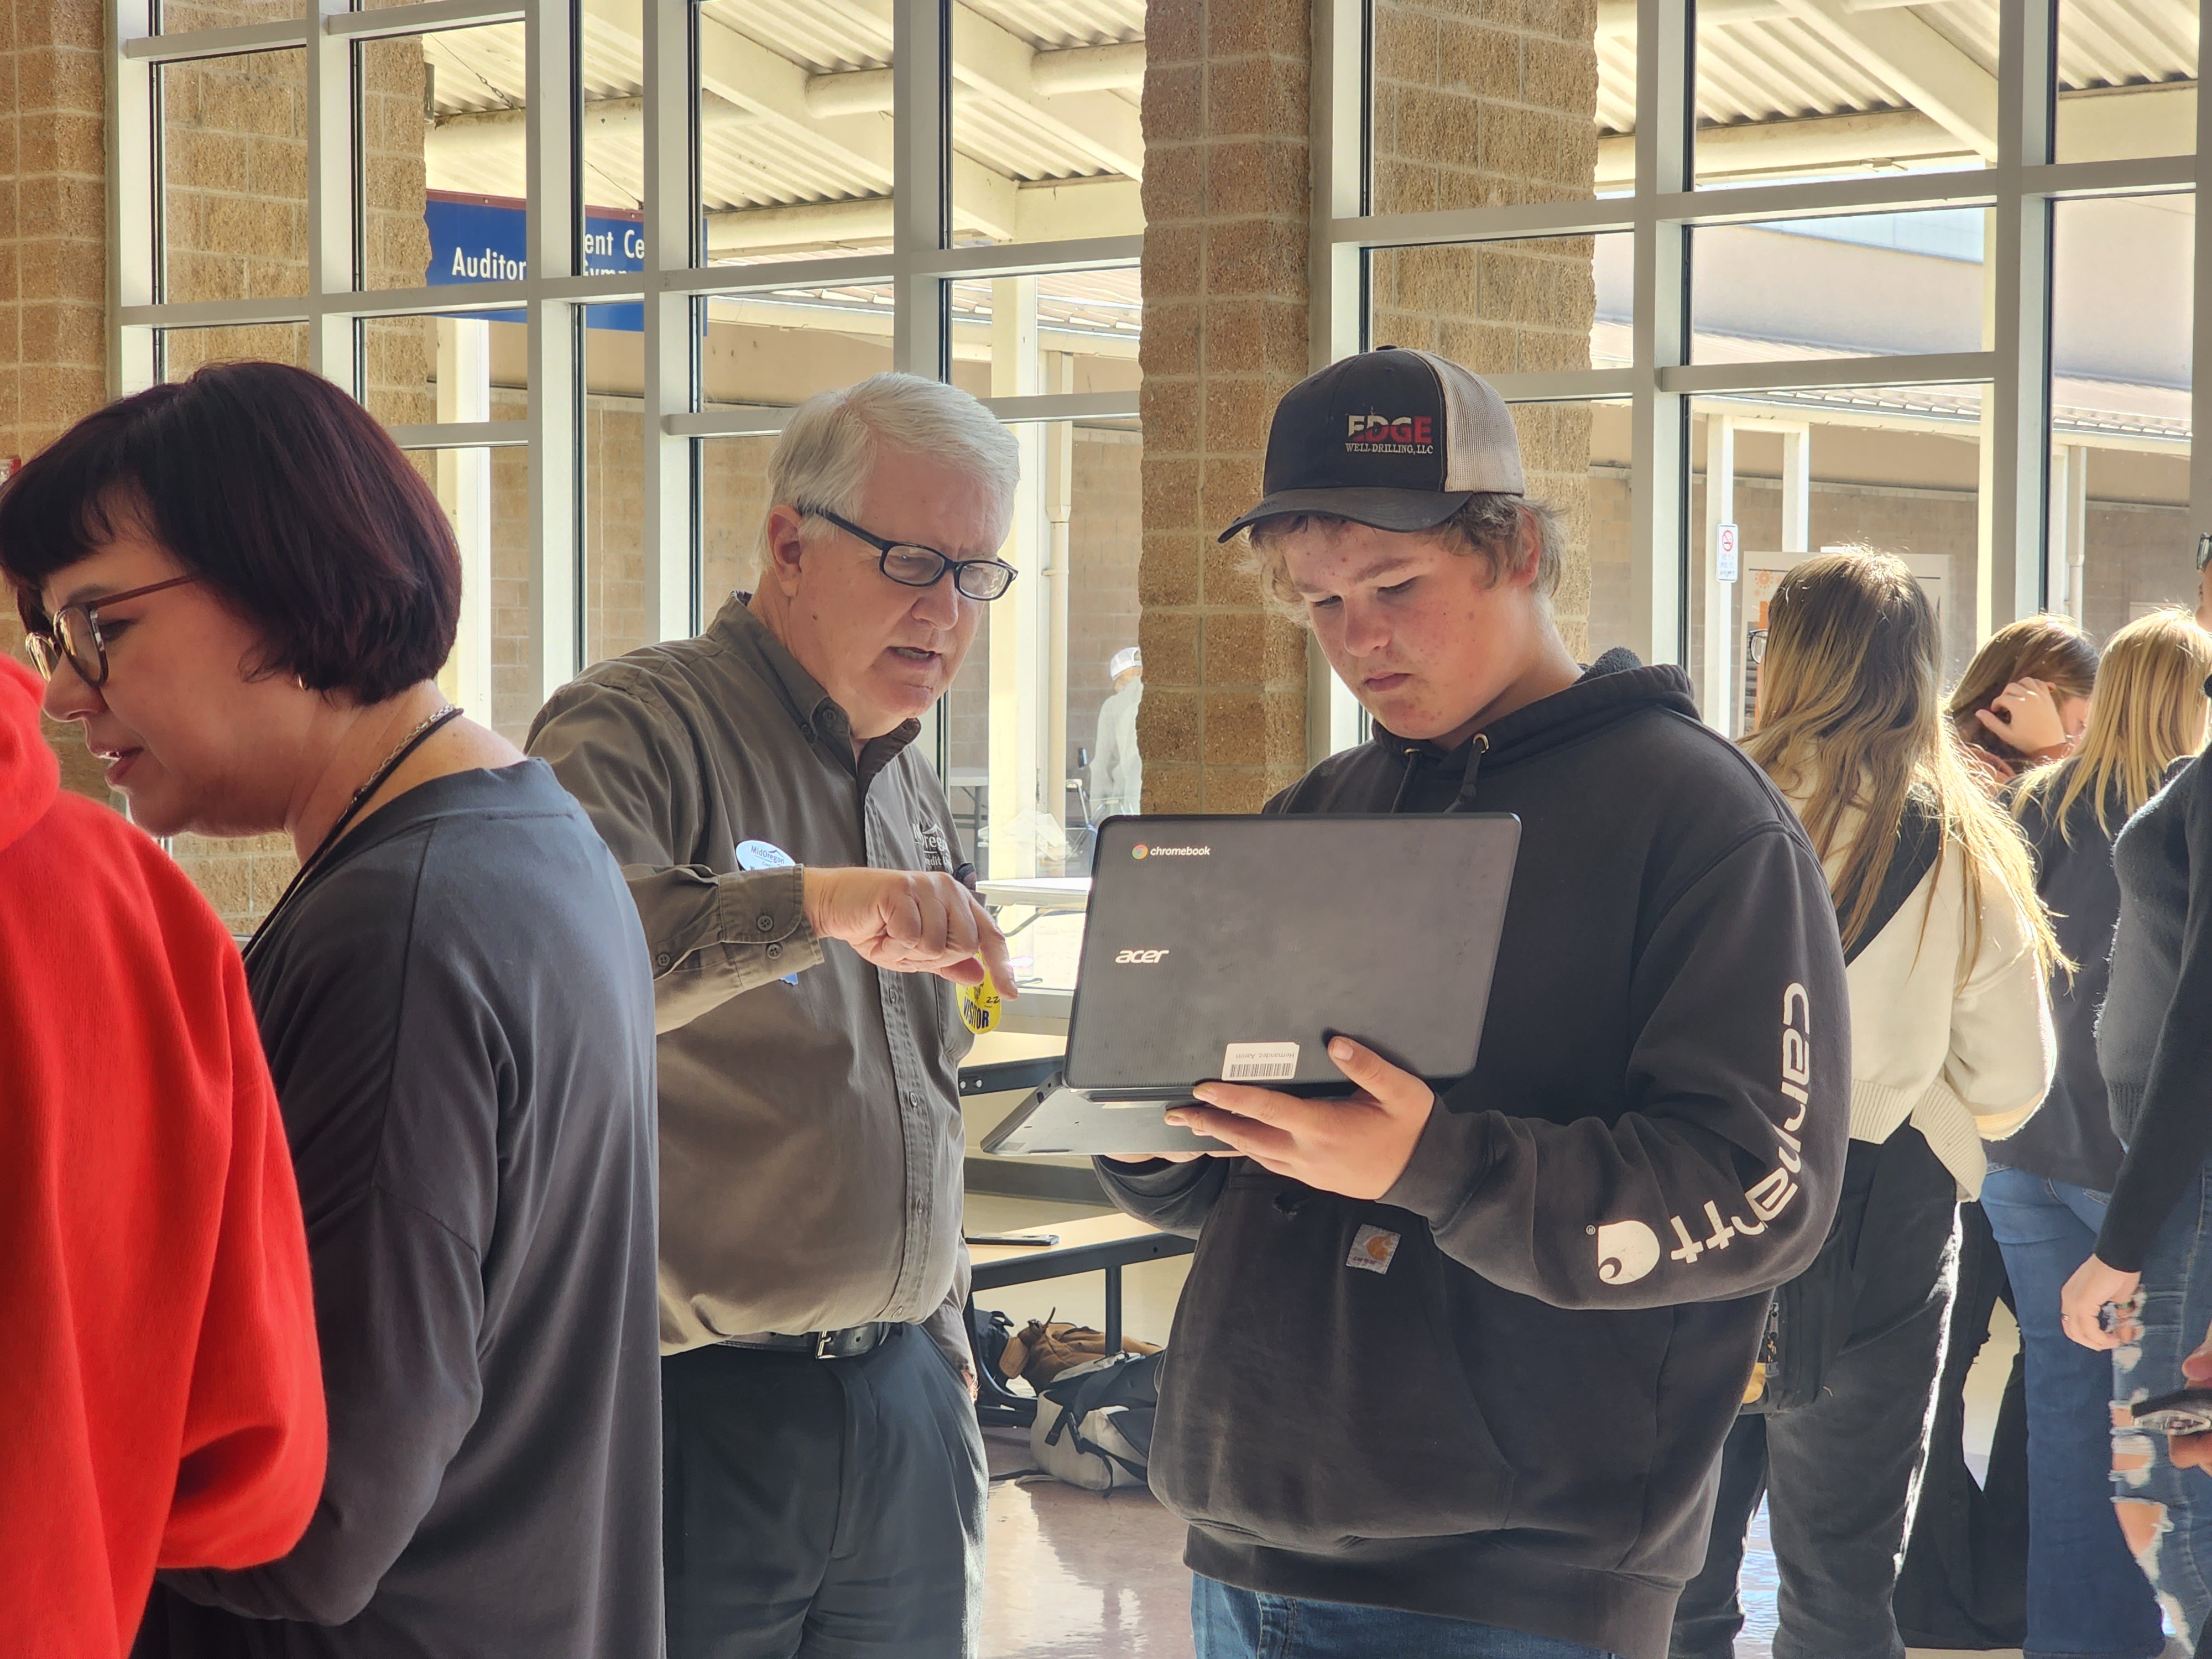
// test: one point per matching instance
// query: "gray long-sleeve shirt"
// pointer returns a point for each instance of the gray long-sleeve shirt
(456, 1017)
(810, 1144)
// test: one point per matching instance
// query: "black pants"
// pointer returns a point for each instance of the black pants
(1964, 1583)
(823, 1507)
(1839, 1474)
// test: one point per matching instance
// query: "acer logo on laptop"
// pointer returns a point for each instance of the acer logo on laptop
(1139, 956)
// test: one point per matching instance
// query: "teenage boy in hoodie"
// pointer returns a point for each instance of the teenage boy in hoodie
(1453, 1369)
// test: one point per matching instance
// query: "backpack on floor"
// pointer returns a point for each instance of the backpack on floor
(1094, 1422)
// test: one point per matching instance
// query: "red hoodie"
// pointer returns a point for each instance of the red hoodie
(161, 1395)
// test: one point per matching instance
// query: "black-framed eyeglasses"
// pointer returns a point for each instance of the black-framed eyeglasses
(1756, 648)
(2204, 549)
(73, 635)
(913, 566)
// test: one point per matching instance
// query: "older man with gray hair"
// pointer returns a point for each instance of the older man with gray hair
(794, 865)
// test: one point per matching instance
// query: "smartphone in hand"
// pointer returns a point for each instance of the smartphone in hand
(2183, 1411)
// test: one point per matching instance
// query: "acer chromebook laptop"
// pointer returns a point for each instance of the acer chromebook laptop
(1234, 948)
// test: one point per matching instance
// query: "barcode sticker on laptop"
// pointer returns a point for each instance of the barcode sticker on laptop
(1259, 1062)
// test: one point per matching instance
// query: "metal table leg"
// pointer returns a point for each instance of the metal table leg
(1113, 1311)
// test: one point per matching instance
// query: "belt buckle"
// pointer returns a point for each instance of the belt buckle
(824, 1342)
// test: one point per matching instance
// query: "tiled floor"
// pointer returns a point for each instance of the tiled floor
(1076, 1575)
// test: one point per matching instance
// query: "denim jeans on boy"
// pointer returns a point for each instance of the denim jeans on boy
(2087, 1598)
(2165, 1512)
(1229, 1623)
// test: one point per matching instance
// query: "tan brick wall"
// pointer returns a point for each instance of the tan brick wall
(235, 224)
(1225, 110)
(1475, 102)
(53, 240)
(1481, 106)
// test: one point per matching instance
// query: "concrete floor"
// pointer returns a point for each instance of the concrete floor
(1078, 1575)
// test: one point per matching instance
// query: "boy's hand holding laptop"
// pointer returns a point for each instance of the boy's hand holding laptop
(1238, 971)
(1356, 1145)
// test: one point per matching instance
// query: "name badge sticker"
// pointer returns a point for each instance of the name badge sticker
(1259, 1062)
(763, 855)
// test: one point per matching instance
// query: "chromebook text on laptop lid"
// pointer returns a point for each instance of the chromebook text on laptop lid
(1234, 948)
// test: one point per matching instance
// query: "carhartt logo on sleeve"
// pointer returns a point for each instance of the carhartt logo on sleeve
(1372, 1249)
(1626, 1251)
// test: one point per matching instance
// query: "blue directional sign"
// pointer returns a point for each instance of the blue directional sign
(480, 238)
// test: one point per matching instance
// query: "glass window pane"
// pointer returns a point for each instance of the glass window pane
(2127, 79)
(778, 348)
(1070, 330)
(1873, 284)
(1474, 113)
(1787, 92)
(394, 87)
(733, 475)
(1896, 469)
(1039, 727)
(178, 351)
(613, 480)
(1046, 140)
(794, 130)
(466, 222)
(184, 16)
(233, 177)
(1576, 457)
(611, 136)
(2121, 284)
(463, 481)
(434, 369)
(1508, 307)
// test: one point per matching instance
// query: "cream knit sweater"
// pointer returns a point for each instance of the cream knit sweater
(1961, 1062)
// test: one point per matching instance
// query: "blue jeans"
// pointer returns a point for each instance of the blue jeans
(2087, 1598)
(2165, 1512)
(1229, 1623)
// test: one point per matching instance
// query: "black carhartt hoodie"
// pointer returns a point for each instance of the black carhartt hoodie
(1508, 1408)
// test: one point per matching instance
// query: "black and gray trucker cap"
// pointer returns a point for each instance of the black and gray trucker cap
(1393, 438)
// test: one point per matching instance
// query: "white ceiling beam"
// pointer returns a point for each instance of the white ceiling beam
(1616, 19)
(741, 71)
(1041, 213)
(1088, 69)
(1051, 75)
(1917, 62)
(2094, 126)
(994, 62)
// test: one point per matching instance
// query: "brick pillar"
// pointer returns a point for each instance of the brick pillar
(53, 245)
(1484, 113)
(1223, 724)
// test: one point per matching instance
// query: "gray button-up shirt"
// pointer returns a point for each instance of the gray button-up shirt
(810, 1144)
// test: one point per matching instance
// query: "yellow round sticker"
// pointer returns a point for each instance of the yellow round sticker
(979, 1007)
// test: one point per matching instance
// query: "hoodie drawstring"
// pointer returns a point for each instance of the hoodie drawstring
(1476, 750)
(1404, 783)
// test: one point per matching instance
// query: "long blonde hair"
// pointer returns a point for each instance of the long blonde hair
(2148, 712)
(1852, 717)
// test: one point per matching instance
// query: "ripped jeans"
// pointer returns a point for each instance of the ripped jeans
(2166, 1513)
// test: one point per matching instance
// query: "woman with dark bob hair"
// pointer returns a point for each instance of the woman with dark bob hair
(241, 591)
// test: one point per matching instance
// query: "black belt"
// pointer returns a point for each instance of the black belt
(848, 1344)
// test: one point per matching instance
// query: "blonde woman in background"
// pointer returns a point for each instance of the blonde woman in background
(1952, 1044)
(2024, 699)
(2048, 1186)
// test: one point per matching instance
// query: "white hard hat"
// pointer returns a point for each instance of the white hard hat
(1123, 661)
